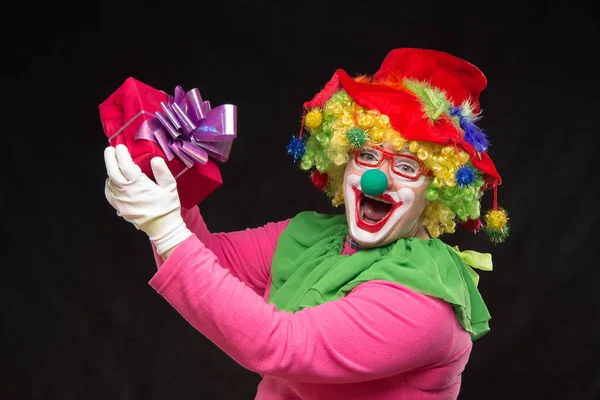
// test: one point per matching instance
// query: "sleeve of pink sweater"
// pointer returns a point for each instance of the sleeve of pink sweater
(246, 254)
(380, 329)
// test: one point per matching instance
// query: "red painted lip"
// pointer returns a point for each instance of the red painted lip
(372, 228)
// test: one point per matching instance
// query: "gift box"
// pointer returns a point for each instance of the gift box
(183, 129)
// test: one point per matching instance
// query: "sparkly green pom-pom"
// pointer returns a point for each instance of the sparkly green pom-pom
(496, 236)
(357, 137)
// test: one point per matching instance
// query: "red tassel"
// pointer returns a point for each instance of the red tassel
(302, 124)
(457, 153)
(495, 196)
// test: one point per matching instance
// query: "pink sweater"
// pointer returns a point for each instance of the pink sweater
(381, 341)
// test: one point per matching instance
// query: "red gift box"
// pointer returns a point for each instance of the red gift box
(122, 114)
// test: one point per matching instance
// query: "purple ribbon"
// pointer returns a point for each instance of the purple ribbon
(187, 128)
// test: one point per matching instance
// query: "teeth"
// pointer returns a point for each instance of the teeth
(378, 199)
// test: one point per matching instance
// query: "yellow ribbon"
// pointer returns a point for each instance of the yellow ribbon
(474, 259)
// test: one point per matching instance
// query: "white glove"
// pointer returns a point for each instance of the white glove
(153, 208)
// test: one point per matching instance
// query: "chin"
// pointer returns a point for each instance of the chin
(382, 229)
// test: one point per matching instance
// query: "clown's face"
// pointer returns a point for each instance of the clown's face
(375, 221)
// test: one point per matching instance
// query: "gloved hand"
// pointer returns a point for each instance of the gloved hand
(153, 208)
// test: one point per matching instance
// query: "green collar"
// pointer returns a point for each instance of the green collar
(308, 269)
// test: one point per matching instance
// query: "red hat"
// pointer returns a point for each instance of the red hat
(386, 92)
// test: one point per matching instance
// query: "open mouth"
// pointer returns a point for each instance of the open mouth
(372, 213)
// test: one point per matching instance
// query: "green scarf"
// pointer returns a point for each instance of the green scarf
(308, 269)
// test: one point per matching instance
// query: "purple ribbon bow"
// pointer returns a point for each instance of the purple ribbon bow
(187, 128)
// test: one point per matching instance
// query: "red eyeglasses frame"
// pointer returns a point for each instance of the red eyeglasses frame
(390, 156)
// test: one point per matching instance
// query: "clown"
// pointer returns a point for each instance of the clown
(368, 304)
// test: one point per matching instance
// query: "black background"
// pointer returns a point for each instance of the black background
(79, 319)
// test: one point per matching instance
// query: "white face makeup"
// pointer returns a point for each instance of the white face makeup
(376, 221)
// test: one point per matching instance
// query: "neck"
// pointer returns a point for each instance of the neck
(350, 242)
(421, 234)
(419, 231)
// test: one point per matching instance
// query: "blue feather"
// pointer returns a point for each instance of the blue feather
(473, 135)
(455, 111)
